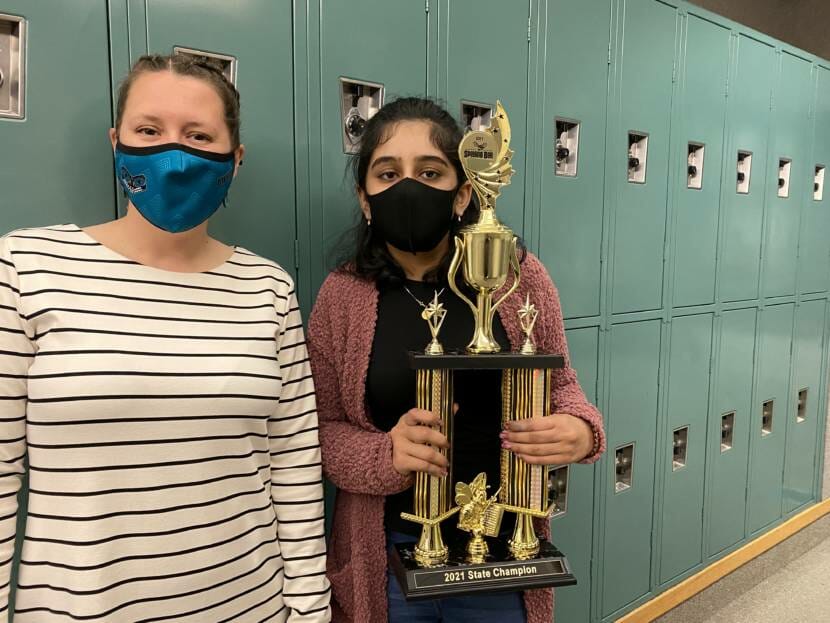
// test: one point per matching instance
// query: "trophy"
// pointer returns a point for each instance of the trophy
(485, 256)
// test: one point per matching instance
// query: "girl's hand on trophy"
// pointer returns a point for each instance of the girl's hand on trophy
(414, 441)
(555, 440)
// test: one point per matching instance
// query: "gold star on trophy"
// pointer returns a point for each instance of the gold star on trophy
(434, 314)
(527, 317)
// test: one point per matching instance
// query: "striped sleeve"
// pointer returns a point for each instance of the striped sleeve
(16, 352)
(296, 477)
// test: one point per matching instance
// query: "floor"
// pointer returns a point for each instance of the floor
(788, 584)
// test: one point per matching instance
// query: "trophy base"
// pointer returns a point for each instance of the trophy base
(500, 572)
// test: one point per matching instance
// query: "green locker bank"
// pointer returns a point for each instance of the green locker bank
(670, 176)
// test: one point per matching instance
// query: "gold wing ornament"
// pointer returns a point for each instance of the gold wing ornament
(485, 156)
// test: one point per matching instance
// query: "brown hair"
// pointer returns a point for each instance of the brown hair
(185, 65)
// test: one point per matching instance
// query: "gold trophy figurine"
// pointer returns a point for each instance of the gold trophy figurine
(486, 249)
(433, 495)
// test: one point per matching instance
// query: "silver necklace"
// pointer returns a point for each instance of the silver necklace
(419, 301)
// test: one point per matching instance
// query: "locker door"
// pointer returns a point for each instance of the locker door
(768, 419)
(629, 463)
(684, 443)
(729, 430)
(814, 255)
(644, 119)
(572, 530)
(571, 195)
(803, 419)
(56, 158)
(466, 79)
(699, 151)
(383, 43)
(787, 184)
(742, 199)
(260, 214)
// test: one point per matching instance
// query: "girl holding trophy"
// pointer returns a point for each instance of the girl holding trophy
(369, 314)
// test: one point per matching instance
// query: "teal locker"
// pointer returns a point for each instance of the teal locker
(729, 430)
(363, 47)
(805, 406)
(742, 197)
(464, 80)
(631, 419)
(573, 530)
(684, 442)
(569, 229)
(260, 213)
(784, 198)
(699, 151)
(768, 419)
(642, 132)
(56, 161)
(814, 255)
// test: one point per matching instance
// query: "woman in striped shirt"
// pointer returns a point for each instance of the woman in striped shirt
(158, 383)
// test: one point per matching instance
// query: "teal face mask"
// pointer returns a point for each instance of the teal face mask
(174, 186)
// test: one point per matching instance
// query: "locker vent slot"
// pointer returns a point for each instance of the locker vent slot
(623, 467)
(359, 101)
(475, 116)
(766, 417)
(727, 428)
(744, 170)
(784, 166)
(225, 61)
(801, 411)
(12, 66)
(566, 147)
(818, 183)
(680, 440)
(694, 166)
(558, 490)
(637, 157)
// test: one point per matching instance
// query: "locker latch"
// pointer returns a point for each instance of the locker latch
(359, 101)
(475, 116)
(818, 183)
(623, 467)
(784, 165)
(766, 417)
(694, 165)
(744, 170)
(225, 61)
(558, 489)
(727, 428)
(637, 157)
(680, 441)
(801, 410)
(566, 147)
(12, 66)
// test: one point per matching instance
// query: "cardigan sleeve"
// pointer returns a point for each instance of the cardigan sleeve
(568, 396)
(354, 459)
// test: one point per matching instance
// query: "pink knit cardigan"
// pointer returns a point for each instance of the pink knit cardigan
(357, 457)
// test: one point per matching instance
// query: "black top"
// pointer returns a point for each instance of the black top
(390, 389)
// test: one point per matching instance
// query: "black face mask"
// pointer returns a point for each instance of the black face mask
(412, 216)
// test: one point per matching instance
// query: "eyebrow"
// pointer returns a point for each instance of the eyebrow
(420, 160)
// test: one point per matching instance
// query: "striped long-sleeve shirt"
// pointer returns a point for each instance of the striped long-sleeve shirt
(170, 427)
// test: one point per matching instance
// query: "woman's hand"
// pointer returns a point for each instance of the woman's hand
(555, 440)
(410, 436)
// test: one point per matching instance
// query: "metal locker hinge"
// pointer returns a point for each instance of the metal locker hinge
(528, 28)
(296, 254)
(426, 6)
